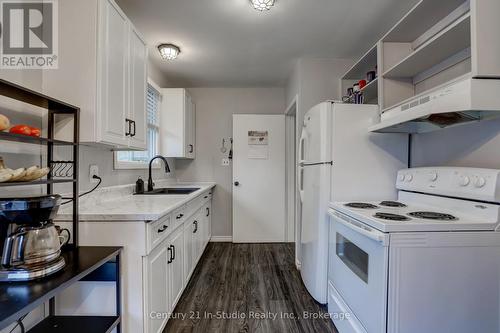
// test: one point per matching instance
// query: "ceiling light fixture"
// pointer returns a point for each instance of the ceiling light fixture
(169, 51)
(262, 5)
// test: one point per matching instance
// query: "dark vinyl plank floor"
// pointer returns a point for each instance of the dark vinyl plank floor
(247, 288)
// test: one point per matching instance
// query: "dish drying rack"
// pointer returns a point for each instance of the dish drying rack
(61, 169)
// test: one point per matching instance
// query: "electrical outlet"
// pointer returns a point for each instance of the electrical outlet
(94, 170)
(225, 162)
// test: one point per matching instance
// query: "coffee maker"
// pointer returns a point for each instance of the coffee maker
(30, 242)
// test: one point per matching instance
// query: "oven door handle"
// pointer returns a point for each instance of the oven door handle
(363, 230)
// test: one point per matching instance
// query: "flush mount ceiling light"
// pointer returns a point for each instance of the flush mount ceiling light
(169, 51)
(262, 5)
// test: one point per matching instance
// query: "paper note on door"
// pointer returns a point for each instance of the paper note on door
(258, 145)
(258, 138)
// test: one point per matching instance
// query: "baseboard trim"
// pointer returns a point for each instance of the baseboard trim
(221, 239)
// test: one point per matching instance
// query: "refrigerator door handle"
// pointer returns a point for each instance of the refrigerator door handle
(300, 176)
(305, 164)
(302, 140)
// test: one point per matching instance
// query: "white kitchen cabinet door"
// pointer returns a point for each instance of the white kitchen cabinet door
(190, 132)
(113, 82)
(197, 236)
(137, 95)
(176, 276)
(104, 74)
(178, 124)
(188, 250)
(208, 222)
(158, 293)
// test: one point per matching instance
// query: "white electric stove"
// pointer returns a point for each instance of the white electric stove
(428, 261)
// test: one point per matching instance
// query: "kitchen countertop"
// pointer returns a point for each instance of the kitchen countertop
(134, 207)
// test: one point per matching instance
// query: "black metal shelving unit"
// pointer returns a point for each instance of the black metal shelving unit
(82, 263)
(54, 108)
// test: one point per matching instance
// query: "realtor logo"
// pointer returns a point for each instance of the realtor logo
(29, 34)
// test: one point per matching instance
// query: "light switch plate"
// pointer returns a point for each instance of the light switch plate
(225, 162)
(94, 170)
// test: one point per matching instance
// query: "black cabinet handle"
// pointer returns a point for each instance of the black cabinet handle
(170, 255)
(180, 216)
(236, 183)
(191, 148)
(129, 124)
(163, 228)
(208, 211)
(195, 227)
(173, 251)
(206, 196)
(133, 123)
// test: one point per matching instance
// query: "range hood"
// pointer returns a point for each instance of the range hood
(460, 102)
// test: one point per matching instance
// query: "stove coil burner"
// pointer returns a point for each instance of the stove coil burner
(361, 205)
(392, 204)
(391, 217)
(433, 216)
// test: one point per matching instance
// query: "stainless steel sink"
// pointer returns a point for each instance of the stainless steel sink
(172, 191)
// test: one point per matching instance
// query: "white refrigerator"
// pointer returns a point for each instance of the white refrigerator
(339, 160)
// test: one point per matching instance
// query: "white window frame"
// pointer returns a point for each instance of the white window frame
(129, 165)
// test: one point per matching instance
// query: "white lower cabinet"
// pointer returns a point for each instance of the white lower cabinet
(207, 226)
(157, 292)
(165, 279)
(188, 249)
(171, 263)
(158, 260)
(175, 267)
(196, 243)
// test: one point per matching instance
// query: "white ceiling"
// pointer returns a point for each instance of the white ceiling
(228, 43)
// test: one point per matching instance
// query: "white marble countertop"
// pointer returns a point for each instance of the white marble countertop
(128, 207)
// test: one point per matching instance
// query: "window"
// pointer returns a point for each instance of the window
(140, 159)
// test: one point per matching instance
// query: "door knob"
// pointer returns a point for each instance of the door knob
(236, 183)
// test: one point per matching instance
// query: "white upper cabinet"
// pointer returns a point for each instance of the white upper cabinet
(112, 74)
(178, 124)
(138, 91)
(102, 70)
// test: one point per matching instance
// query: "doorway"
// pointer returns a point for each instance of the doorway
(292, 195)
(259, 183)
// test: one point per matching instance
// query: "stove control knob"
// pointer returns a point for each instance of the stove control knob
(408, 178)
(464, 181)
(401, 177)
(433, 176)
(479, 182)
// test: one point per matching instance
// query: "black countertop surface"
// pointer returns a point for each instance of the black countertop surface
(19, 298)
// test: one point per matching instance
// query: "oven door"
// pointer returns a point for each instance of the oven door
(358, 268)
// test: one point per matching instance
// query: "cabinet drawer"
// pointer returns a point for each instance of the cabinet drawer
(158, 231)
(195, 204)
(342, 317)
(179, 216)
(206, 196)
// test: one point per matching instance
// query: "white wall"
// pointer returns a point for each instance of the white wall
(155, 74)
(214, 110)
(315, 81)
(473, 145)
(104, 159)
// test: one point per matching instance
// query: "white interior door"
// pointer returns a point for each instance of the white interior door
(259, 177)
